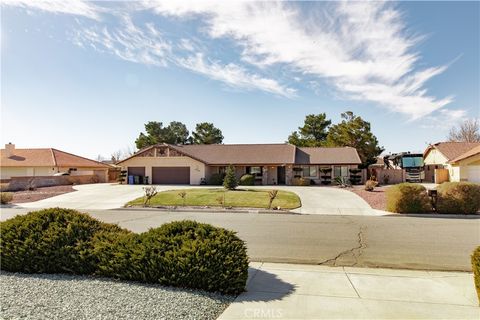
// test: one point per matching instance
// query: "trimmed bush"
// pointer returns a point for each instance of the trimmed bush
(458, 197)
(476, 270)
(247, 180)
(6, 197)
(408, 198)
(230, 182)
(300, 181)
(4, 187)
(216, 179)
(50, 241)
(370, 185)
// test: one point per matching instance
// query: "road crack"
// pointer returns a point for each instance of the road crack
(356, 251)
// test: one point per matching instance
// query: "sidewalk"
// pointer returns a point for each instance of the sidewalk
(288, 291)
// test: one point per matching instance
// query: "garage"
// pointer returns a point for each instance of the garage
(171, 175)
(473, 174)
(136, 171)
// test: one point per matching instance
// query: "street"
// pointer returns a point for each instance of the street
(401, 242)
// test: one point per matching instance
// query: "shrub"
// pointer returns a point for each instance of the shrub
(476, 270)
(458, 197)
(4, 187)
(370, 185)
(408, 198)
(230, 182)
(216, 179)
(181, 253)
(50, 241)
(300, 182)
(6, 197)
(247, 180)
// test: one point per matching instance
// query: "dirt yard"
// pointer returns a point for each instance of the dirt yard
(376, 198)
(40, 193)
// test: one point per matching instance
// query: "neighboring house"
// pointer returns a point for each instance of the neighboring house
(270, 163)
(47, 162)
(460, 161)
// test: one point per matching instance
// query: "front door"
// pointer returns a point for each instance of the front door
(281, 175)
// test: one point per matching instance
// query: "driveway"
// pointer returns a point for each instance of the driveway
(315, 200)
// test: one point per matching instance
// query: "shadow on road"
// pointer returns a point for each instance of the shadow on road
(265, 286)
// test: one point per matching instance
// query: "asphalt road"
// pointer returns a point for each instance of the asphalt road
(404, 242)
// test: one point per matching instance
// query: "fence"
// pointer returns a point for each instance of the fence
(22, 183)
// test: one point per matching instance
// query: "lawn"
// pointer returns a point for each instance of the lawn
(250, 198)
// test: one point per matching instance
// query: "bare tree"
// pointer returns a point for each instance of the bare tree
(123, 153)
(467, 131)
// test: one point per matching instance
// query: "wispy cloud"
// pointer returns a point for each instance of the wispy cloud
(74, 7)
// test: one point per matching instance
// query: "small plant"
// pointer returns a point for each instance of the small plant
(230, 182)
(300, 181)
(6, 197)
(272, 194)
(183, 195)
(247, 180)
(121, 176)
(4, 187)
(342, 182)
(31, 185)
(370, 185)
(326, 175)
(476, 270)
(216, 179)
(150, 192)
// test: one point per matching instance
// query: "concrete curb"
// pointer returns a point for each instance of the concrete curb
(209, 210)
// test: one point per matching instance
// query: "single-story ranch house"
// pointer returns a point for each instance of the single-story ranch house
(18, 163)
(461, 159)
(270, 163)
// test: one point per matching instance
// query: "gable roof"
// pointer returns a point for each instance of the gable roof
(252, 154)
(452, 150)
(333, 155)
(470, 153)
(46, 157)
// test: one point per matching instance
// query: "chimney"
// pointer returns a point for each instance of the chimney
(9, 149)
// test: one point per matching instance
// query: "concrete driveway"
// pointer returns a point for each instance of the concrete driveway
(315, 200)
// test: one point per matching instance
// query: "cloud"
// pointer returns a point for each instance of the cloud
(234, 75)
(361, 48)
(444, 119)
(74, 7)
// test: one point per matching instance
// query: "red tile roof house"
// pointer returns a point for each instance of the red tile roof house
(19, 163)
(270, 163)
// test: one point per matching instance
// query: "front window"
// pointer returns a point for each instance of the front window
(309, 171)
(412, 162)
(340, 171)
(222, 170)
(255, 171)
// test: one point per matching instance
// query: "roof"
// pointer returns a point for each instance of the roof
(46, 157)
(251, 154)
(452, 150)
(470, 153)
(334, 155)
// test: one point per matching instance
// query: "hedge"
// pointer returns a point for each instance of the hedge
(476, 270)
(408, 198)
(6, 197)
(247, 180)
(184, 253)
(458, 197)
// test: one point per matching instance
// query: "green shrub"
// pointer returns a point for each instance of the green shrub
(300, 181)
(216, 179)
(476, 270)
(370, 185)
(182, 254)
(6, 197)
(230, 182)
(247, 180)
(50, 241)
(458, 197)
(408, 198)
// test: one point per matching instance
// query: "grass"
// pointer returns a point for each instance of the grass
(249, 198)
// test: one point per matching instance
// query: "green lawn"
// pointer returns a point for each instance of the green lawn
(251, 198)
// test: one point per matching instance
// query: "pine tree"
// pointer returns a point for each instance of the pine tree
(230, 182)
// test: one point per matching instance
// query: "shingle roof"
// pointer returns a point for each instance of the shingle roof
(452, 150)
(337, 155)
(46, 157)
(468, 154)
(250, 154)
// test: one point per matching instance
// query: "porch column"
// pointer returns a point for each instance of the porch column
(265, 175)
(288, 175)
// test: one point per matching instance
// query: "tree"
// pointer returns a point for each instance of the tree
(175, 133)
(230, 181)
(206, 133)
(355, 132)
(313, 133)
(467, 131)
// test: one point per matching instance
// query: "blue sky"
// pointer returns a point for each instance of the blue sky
(84, 77)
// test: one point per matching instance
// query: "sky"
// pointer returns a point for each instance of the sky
(84, 77)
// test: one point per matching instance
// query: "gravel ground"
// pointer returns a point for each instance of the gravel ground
(376, 198)
(54, 296)
(40, 193)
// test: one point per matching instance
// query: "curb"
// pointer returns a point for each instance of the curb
(209, 210)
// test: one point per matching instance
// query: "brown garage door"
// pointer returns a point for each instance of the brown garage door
(171, 175)
(136, 171)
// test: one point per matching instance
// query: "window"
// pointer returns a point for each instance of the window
(222, 170)
(309, 171)
(256, 171)
(340, 171)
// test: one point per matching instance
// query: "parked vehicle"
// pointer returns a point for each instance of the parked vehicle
(411, 162)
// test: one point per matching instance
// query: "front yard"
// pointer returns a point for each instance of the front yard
(213, 197)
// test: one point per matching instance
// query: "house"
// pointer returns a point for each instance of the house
(452, 161)
(46, 162)
(270, 163)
